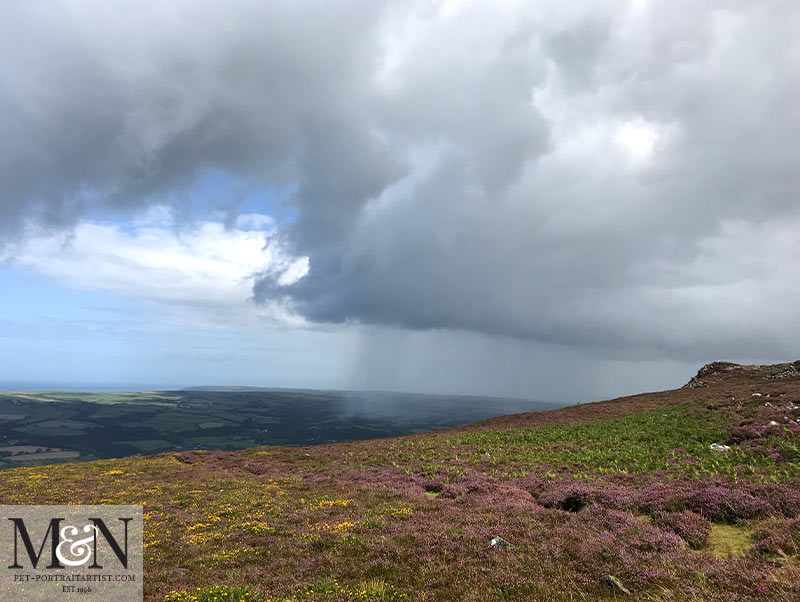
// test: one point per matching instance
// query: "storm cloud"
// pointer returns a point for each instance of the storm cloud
(620, 177)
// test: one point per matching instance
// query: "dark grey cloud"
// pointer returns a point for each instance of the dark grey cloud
(616, 176)
(118, 105)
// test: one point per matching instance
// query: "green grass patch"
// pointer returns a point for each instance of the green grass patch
(675, 439)
(726, 541)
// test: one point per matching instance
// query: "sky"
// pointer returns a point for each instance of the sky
(549, 200)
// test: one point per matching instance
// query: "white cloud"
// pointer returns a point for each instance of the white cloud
(205, 271)
(254, 221)
(638, 138)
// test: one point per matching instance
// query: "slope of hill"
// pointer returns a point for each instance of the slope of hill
(692, 494)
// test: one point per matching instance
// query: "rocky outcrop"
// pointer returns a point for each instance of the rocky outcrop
(781, 371)
(699, 380)
(716, 371)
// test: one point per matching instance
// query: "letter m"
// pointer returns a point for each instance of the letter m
(21, 532)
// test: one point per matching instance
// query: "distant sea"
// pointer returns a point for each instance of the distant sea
(11, 385)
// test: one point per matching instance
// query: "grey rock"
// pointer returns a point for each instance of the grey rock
(694, 384)
(616, 585)
(181, 571)
(500, 543)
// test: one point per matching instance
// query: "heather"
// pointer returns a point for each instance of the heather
(631, 487)
(689, 526)
(778, 538)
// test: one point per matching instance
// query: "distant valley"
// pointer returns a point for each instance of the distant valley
(47, 427)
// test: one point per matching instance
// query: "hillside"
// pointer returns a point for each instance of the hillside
(691, 494)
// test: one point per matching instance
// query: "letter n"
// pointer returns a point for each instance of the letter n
(122, 556)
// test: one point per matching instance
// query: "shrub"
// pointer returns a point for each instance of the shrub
(574, 496)
(728, 505)
(746, 432)
(778, 537)
(691, 527)
(784, 498)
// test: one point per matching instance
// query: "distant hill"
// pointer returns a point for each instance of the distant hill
(225, 388)
(684, 495)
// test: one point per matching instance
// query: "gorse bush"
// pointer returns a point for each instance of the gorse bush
(372, 590)
(216, 593)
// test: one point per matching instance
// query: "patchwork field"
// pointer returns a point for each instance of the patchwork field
(90, 426)
(692, 494)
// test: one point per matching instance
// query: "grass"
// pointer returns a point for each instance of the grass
(730, 541)
(675, 439)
